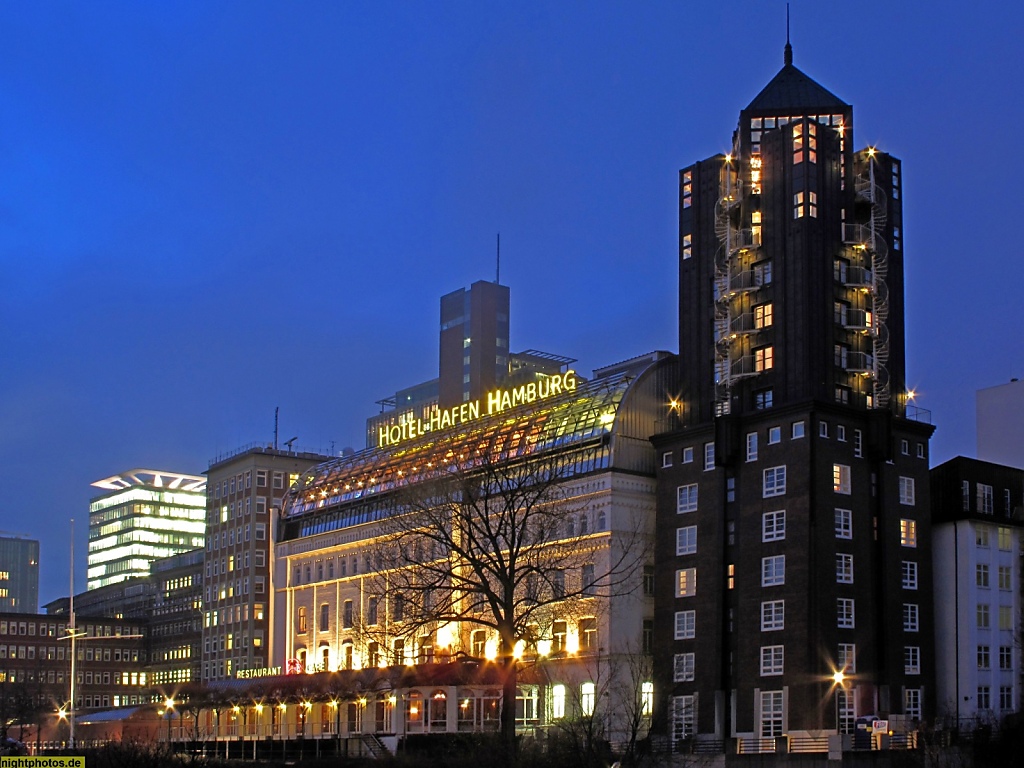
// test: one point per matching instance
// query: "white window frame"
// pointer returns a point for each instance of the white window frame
(773, 570)
(683, 667)
(844, 523)
(907, 491)
(841, 479)
(773, 481)
(773, 525)
(909, 574)
(775, 435)
(912, 660)
(686, 582)
(773, 615)
(911, 617)
(686, 498)
(846, 658)
(773, 660)
(752, 446)
(844, 568)
(709, 456)
(686, 540)
(908, 532)
(797, 431)
(685, 625)
(846, 613)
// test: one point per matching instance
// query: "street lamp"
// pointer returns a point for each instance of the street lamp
(169, 713)
(839, 682)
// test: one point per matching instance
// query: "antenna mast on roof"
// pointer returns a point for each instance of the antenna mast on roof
(497, 275)
(788, 54)
(276, 411)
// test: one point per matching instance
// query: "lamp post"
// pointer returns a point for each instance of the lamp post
(169, 713)
(259, 711)
(839, 682)
(62, 716)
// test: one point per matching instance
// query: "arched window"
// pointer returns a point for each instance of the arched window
(325, 657)
(414, 711)
(346, 655)
(438, 711)
(301, 621)
(600, 520)
(325, 617)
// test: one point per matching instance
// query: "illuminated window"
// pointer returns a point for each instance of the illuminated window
(1005, 536)
(908, 533)
(558, 701)
(301, 620)
(686, 582)
(841, 478)
(588, 698)
(764, 358)
(687, 246)
(646, 699)
(763, 315)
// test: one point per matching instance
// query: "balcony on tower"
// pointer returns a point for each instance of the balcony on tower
(860, 320)
(859, 362)
(744, 239)
(855, 277)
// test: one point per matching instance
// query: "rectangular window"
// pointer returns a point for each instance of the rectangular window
(822, 429)
(666, 459)
(773, 615)
(772, 662)
(908, 533)
(986, 505)
(1005, 582)
(907, 491)
(684, 717)
(912, 703)
(981, 536)
(912, 659)
(909, 574)
(686, 582)
(764, 358)
(763, 315)
(685, 625)
(905, 447)
(774, 481)
(844, 568)
(686, 540)
(687, 455)
(844, 524)
(845, 613)
(846, 659)
(773, 570)
(965, 494)
(840, 433)
(841, 478)
(686, 498)
(752, 446)
(773, 525)
(981, 575)
(1006, 698)
(774, 435)
(982, 616)
(682, 667)
(858, 443)
(1005, 536)
(1006, 657)
(797, 431)
(1006, 617)
(709, 456)
(911, 617)
(984, 659)
(771, 714)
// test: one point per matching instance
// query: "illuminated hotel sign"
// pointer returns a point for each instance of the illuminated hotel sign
(494, 403)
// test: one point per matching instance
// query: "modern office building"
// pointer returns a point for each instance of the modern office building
(19, 574)
(143, 515)
(978, 541)
(793, 560)
(1000, 424)
(244, 495)
(473, 359)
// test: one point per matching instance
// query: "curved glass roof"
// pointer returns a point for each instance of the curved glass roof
(578, 423)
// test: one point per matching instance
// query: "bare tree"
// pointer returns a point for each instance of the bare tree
(498, 541)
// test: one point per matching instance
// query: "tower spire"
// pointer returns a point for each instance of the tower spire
(788, 54)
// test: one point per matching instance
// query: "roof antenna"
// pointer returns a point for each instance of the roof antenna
(788, 55)
(497, 276)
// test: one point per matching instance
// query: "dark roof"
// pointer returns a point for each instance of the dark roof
(791, 90)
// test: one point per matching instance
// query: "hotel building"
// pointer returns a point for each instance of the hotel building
(794, 549)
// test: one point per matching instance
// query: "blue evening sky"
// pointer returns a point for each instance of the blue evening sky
(211, 209)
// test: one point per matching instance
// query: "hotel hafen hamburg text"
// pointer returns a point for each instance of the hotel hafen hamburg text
(332, 609)
(794, 561)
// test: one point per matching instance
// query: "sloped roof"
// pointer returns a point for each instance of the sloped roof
(792, 90)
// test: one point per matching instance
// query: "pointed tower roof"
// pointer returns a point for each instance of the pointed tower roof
(791, 91)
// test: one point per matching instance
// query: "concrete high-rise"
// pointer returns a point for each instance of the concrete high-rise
(19, 574)
(793, 492)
